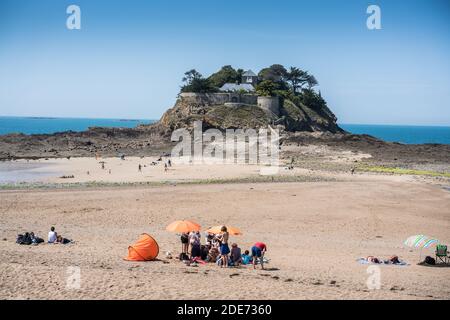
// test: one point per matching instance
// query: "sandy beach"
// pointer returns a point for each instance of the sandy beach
(315, 232)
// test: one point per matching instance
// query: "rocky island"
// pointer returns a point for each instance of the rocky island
(228, 99)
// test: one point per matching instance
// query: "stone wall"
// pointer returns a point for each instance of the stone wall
(269, 104)
(218, 98)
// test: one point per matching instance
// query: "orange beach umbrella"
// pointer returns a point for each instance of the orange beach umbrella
(183, 226)
(231, 230)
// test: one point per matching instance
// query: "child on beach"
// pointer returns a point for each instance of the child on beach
(224, 248)
(246, 258)
(52, 235)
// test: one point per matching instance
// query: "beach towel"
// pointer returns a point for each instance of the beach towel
(387, 262)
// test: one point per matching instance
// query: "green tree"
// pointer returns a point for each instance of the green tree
(298, 79)
(266, 88)
(191, 75)
(225, 75)
(194, 82)
(275, 73)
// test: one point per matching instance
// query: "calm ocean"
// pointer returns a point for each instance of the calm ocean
(37, 125)
(393, 133)
(403, 134)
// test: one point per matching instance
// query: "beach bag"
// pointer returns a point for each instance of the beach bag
(430, 260)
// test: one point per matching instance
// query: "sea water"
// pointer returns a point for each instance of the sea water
(392, 133)
(38, 125)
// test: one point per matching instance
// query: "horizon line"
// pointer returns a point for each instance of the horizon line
(147, 119)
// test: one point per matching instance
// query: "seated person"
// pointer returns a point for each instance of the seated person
(394, 260)
(204, 250)
(373, 259)
(52, 235)
(34, 239)
(246, 257)
(235, 255)
(209, 237)
(212, 254)
(61, 240)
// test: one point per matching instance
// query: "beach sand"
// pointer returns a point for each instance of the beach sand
(315, 232)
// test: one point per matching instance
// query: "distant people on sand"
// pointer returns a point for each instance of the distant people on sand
(194, 240)
(213, 254)
(224, 248)
(140, 168)
(392, 260)
(235, 255)
(184, 242)
(28, 238)
(169, 162)
(103, 166)
(246, 258)
(216, 250)
(165, 167)
(61, 240)
(258, 251)
(52, 235)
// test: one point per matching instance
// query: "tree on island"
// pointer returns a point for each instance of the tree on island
(298, 79)
(194, 82)
(275, 73)
(227, 74)
(293, 83)
(267, 88)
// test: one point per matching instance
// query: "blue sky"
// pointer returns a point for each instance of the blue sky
(128, 59)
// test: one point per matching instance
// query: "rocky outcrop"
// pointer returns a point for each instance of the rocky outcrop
(143, 140)
(154, 139)
(215, 114)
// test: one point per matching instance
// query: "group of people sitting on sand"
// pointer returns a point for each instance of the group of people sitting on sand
(217, 250)
(29, 238)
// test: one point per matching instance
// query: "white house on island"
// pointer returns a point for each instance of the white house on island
(248, 83)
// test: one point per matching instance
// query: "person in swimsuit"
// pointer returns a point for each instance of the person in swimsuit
(224, 248)
(258, 251)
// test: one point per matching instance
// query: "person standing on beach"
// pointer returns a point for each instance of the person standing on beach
(184, 242)
(165, 167)
(169, 163)
(258, 251)
(140, 168)
(224, 248)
